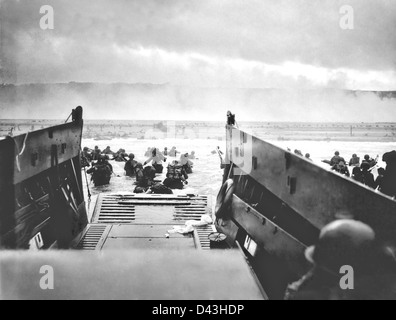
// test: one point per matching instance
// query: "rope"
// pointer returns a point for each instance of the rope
(86, 179)
(68, 117)
(21, 152)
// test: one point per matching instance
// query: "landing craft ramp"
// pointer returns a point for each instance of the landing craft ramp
(125, 253)
(143, 221)
(129, 275)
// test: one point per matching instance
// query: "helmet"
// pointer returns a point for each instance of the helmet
(342, 242)
(337, 153)
(131, 156)
(365, 165)
(389, 157)
(139, 166)
(139, 190)
(356, 170)
(381, 171)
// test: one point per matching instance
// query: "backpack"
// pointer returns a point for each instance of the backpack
(175, 172)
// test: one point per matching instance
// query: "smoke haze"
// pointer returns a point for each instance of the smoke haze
(166, 102)
(197, 59)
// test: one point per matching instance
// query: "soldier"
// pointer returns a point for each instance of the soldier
(120, 156)
(101, 172)
(144, 178)
(96, 154)
(108, 151)
(355, 161)
(341, 168)
(367, 176)
(346, 243)
(176, 177)
(380, 179)
(298, 152)
(230, 118)
(357, 174)
(148, 153)
(86, 157)
(130, 166)
(336, 159)
(186, 163)
(192, 155)
(370, 161)
(157, 159)
(173, 152)
(389, 180)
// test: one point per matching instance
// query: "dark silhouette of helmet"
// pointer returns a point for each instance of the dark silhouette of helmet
(381, 171)
(139, 166)
(365, 166)
(131, 156)
(356, 170)
(341, 243)
(337, 153)
(389, 157)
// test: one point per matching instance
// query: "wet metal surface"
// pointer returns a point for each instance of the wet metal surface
(142, 221)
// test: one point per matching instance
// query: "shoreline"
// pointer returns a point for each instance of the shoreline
(154, 130)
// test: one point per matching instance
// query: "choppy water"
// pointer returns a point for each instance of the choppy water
(207, 175)
(206, 179)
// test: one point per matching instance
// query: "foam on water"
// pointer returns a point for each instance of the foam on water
(207, 176)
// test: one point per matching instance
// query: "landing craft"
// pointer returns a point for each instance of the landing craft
(270, 209)
(274, 203)
(123, 251)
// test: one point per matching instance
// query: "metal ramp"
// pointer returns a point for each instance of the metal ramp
(201, 235)
(126, 209)
(94, 237)
(134, 220)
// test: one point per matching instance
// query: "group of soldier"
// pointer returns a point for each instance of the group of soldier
(144, 173)
(385, 182)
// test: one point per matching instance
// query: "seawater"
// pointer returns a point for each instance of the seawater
(207, 176)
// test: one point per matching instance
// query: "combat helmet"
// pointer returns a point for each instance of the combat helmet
(343, 243)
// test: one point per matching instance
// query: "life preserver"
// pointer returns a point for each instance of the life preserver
(224, 199)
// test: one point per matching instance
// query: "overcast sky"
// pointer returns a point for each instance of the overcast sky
(203, 43)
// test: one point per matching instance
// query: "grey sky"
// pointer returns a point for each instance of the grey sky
(215, 43)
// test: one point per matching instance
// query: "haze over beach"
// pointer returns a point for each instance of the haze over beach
(168, 102)
(178, 60)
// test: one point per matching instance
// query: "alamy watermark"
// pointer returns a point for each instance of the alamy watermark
(47, 281)
(347, 20)
(347, 281)
(47, 21)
